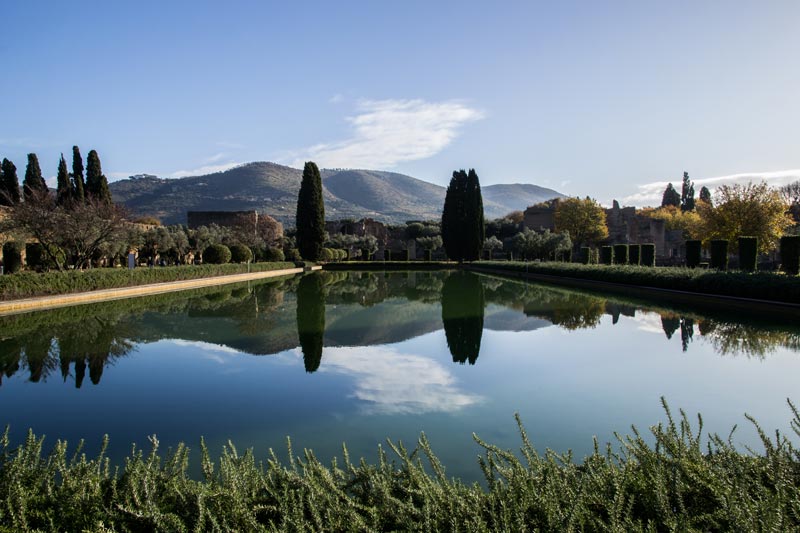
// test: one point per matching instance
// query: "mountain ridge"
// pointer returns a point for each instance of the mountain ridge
(271, 188)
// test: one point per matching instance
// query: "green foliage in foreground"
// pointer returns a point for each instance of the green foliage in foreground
(29, 284)
(677, 483)
(759, 285)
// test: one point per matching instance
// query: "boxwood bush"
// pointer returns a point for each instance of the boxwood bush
(719, 254)
(748, 253)
(12, 256)
(634, 254)
(241, 254)
(790, 254)
(648, 257)
(217, 254)
(693, 253)
(620, 254)
(606, 255)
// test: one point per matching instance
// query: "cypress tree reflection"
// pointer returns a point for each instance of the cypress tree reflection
(462, 314)
(311, 319)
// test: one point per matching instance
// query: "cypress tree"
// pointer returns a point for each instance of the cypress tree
(310, 221)
(687, 193)
(96, 182)
(670, 197)
(64, 188)
(10, 184)
(705, 195)
(33, 182)
(78, 185)
(453, 216)
(475, 229)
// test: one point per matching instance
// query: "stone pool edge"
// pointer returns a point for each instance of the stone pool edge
(64, 300)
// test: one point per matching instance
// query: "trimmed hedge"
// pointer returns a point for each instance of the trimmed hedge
(694, 250)
(748, 253)
(719, 254)
(634, 254)
(12, 256)
(759, 285)
(366, 255)
(30, 284)
(606, 255)
(217, 254)
(586, 255)
(241, 254)
(428, 255)
(648, 257)
(620, 254)
(790, 254)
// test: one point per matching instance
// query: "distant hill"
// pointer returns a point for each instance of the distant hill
(272, 189)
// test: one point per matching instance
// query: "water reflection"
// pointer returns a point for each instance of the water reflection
(356, 309)
(462, 315)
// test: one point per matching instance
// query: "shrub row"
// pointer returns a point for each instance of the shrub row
(760, 285)
(29, 284)
(674, 479)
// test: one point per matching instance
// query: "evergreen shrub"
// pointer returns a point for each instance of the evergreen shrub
(620, 254)
(790, 254)
(12, 257)
(649, 255)
(606, 255)
(217, 254)
(634, 254)
(586, 256)
(748, 253)
(241, 254)
(719, 254)
(693, 249)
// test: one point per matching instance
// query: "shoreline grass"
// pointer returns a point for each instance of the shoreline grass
(759, 285)
(32, 284)
(671, 480)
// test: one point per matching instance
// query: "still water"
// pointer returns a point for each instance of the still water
(335, 357)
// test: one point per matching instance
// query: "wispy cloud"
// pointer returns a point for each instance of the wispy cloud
(336, 98)
(387, 132)
(390, 382)
(649, 194)
(204, 169)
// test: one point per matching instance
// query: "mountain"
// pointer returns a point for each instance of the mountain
(272, 189)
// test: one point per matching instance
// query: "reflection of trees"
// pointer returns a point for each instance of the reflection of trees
(311, 319)
(670, 324)
(462, 314)
(734, 338)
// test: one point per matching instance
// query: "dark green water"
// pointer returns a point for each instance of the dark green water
(358, 357)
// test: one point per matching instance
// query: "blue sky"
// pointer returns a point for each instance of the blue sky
(607, 99)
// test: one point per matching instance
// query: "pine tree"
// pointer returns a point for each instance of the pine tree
(96, 182)
(671, 197)
(33, 182)
(78, 184)
(687, 193)
(705, 195)
(310, 221)
(64, 191)
(10, 186)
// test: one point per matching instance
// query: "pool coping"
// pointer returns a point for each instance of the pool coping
(10, 307)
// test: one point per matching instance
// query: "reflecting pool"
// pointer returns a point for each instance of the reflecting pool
(359, 357)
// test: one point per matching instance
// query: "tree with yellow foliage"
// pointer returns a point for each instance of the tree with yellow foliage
(584, 220)
(674, 218)
(755, 210)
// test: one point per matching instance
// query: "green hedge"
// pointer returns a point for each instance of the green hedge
(586, 255)
(634, 254)
(790, 254)
(648, 255)
(428, 255)
(760, 285)
(620, 254)
(719, 254)
(674, 478)
(241, 254)
(748, 253)
(29, 284)
(606, 255)
(694, 250)
(12, 256)
(393, 265)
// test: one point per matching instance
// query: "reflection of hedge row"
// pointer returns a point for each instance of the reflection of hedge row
(651, 484)
(28, 284)
(764, 286)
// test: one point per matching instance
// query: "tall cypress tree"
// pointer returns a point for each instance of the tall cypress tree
(64, 187)
(78, 184)
(33, 182)
(310, 221)
(10, 184)
(705, 195)
(687, 193)
(454, 215)
(96, 182)
(474, 230)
